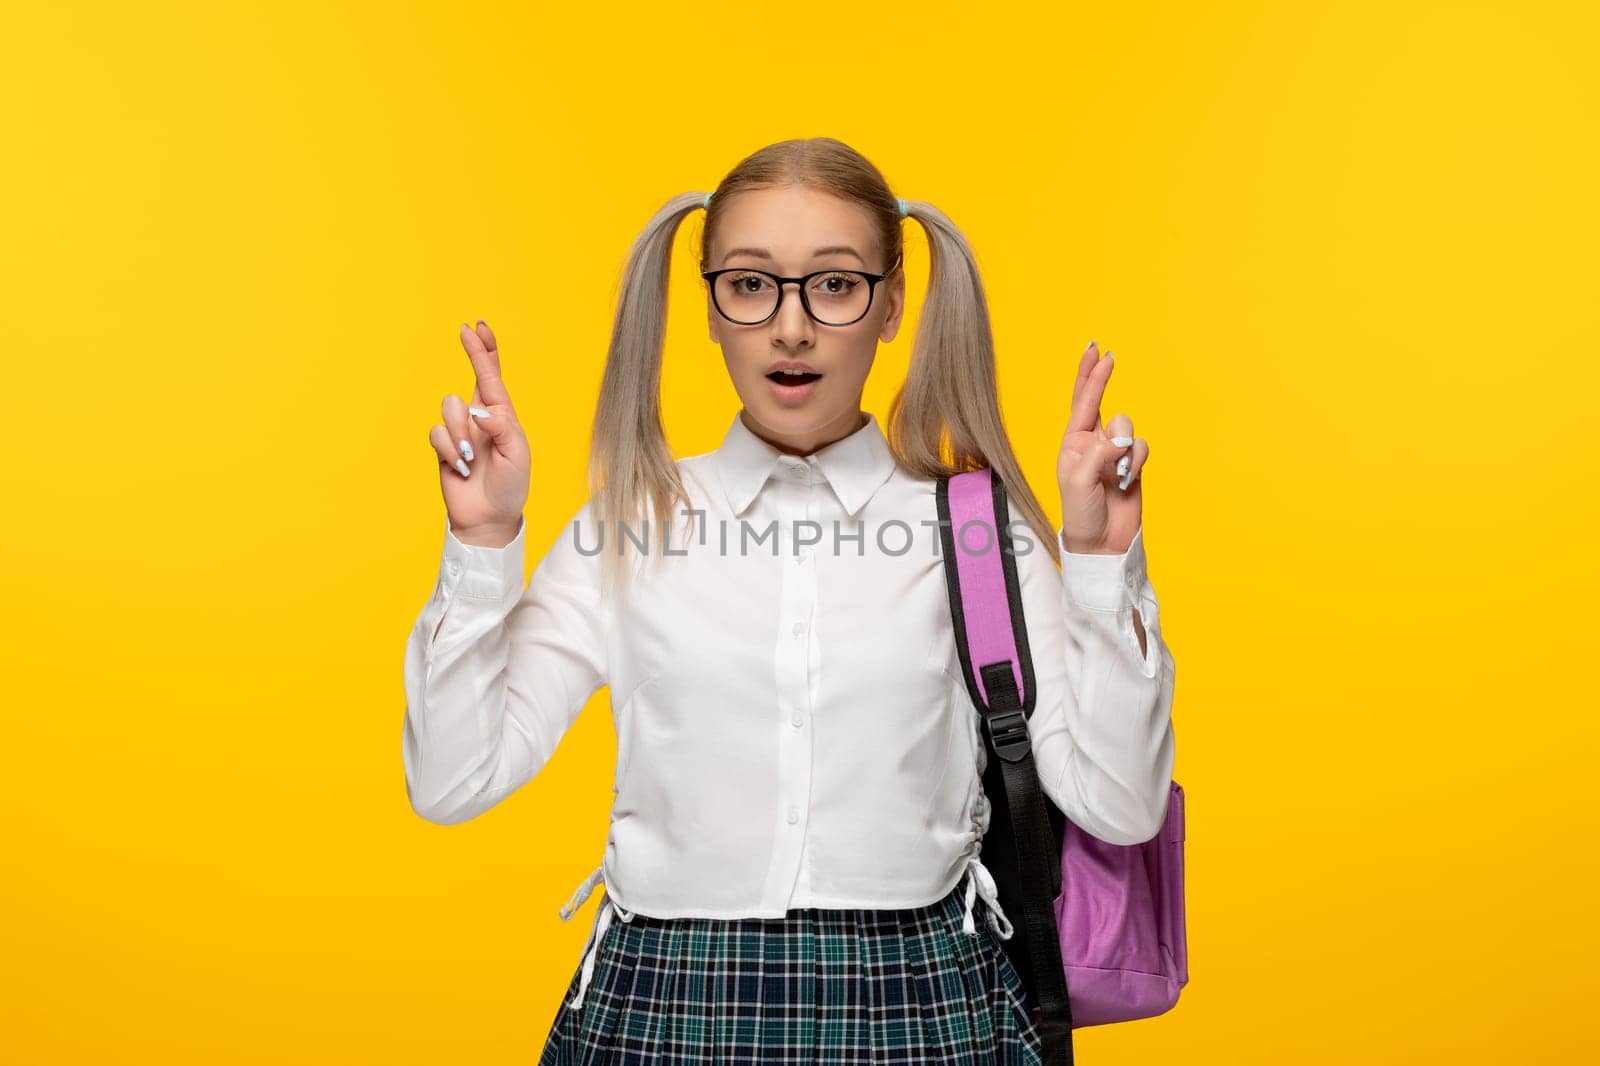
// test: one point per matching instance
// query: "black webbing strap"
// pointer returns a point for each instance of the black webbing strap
(1006, 726)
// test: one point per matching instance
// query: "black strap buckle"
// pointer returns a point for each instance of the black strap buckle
(1008, 732)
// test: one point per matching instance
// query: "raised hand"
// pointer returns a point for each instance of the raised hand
(483, 454)
(1102, 498)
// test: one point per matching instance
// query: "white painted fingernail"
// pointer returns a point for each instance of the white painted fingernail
(1122, 466)
(478, 412)
(1122, 442)
(465, 472)
(1123, 484)
(466, 450)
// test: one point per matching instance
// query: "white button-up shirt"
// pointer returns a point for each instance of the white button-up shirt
(792, 725)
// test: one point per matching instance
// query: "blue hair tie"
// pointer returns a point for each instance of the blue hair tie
(903, 211)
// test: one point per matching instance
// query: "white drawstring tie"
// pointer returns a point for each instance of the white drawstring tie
(602, 921)
(980, 882)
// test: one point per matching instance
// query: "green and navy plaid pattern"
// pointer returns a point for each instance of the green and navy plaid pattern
(817, 986)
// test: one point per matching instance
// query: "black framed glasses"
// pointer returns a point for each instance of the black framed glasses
(748, 297)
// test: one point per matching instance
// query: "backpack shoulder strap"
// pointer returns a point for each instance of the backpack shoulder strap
(985, 598)
(991, 634)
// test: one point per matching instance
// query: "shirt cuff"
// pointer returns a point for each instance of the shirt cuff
(481, 573)
(1106, 582)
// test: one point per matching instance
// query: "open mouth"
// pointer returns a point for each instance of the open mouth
(785, 377)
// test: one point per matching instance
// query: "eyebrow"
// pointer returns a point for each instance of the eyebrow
(832, 249)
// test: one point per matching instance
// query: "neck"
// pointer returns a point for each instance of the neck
(806, 443)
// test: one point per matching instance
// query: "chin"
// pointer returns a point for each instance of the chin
(799, 419)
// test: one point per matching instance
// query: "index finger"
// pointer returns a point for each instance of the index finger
(1089, 389)
(485, 356)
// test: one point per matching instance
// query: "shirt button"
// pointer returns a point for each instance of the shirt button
(455, 568)
(799, 628)
(794, 816)
(797, 721)
(1132, 579)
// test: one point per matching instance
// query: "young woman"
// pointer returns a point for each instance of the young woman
(793, 855)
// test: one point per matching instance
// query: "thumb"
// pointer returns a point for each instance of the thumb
(497, 421)
(1094, 465)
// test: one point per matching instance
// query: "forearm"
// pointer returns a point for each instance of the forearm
(488, 536)
(1138, 622)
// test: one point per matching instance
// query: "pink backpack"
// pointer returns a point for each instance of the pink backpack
(1100, 926)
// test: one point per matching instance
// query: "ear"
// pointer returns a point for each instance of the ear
(712, 318)
(895, 294)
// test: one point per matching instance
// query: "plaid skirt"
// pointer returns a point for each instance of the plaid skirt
(815, 986)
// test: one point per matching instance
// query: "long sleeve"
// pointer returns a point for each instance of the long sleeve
(496, 673)
(1101, 728)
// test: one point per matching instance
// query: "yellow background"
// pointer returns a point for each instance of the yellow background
(1344, 253)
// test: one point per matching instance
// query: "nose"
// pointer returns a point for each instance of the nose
(790, 325)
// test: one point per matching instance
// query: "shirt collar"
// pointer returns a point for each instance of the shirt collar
(855, 466)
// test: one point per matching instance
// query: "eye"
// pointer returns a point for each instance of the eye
(837, 284)
(746, 282)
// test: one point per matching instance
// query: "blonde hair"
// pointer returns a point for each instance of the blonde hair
(945, 419)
